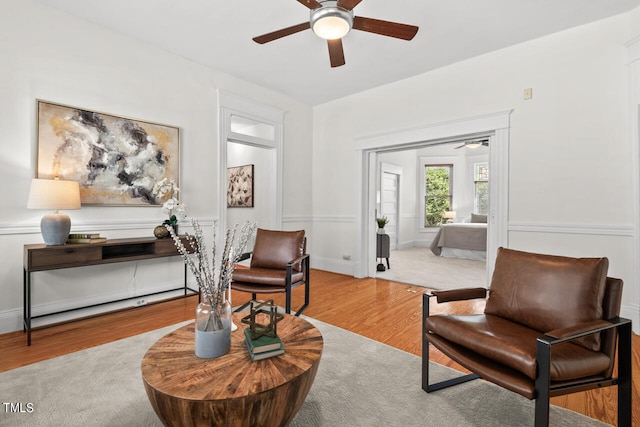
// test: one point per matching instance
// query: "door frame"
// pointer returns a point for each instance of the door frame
(230, 105)
(394, 170)
(494, 125)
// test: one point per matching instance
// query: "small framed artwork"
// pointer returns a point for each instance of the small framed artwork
(116, 160)
(240, 187)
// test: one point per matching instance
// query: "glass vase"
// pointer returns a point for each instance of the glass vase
(213, 329)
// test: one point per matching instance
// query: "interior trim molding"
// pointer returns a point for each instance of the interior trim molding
(586, 229)
(89, 226)
(633, 68)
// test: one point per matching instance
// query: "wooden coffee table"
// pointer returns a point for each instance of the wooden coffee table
(231, 390)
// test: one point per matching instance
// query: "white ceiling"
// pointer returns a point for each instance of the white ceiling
(218, 34)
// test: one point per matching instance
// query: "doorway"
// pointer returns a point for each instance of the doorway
(494, 126)
(250, 135)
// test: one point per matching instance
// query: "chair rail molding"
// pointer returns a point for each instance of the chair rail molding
(80, 226)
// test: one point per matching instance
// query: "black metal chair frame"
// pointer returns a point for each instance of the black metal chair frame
(289, 286)
(544, 390)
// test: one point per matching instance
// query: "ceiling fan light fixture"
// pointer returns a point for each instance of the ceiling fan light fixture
(474, 144)
(331, 21)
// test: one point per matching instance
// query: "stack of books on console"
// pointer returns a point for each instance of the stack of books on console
(86, 238)
(263, 347)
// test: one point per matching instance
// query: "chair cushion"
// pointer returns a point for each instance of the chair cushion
(275, 249)
(514, 345)
(547, 292)
(265, 276)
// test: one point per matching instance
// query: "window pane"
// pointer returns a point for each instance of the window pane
(250, 127)
(482, 198)
(481, 171)
(438, 195)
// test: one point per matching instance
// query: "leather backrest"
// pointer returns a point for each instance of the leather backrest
(547, 292)
(274, 249)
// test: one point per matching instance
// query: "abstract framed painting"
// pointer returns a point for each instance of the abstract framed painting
(240, 186)
(116, 160)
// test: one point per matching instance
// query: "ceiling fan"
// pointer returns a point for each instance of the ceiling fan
(474, 143)
(332, 20)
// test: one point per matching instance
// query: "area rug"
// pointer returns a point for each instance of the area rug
(360, 382)
(420, 267)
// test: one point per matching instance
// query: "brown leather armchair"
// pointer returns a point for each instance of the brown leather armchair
(279, 263)
(549, 328)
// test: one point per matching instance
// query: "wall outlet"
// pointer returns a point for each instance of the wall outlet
(528, 93)
(141, 302)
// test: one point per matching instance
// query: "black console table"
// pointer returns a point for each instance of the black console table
(39, 257)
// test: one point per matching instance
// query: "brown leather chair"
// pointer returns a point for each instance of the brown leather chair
(279, 263)
(537, 303)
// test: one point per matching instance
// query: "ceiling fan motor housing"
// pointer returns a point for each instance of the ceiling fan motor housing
(331, 21)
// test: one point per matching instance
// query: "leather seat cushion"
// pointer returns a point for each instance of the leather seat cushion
(547, 292)
(514, 345)
(265, 276)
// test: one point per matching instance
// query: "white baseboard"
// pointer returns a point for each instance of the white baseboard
(633, 313)
(332, 265)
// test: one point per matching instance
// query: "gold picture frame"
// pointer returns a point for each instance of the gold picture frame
(116, 160)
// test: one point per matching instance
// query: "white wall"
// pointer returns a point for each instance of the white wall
(46, 54)
(569, 159)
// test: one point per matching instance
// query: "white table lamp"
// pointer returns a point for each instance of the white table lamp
(54, 194)
(450, 216)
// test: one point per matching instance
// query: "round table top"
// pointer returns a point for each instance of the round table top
(170, 365)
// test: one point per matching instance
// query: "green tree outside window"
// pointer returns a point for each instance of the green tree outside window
(438, 196)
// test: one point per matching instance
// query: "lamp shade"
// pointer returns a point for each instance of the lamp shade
(450, 214)
(54, 194)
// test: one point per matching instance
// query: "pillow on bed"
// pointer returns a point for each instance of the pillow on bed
(478, 218)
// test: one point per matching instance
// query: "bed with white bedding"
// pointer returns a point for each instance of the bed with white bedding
(461, 240)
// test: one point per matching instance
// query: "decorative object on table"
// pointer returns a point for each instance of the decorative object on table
(261, 336)
(54, 194)
(259, 312)
(115, 160)
(381, 223)
(213, 314)
(168, 190)
(263, 344)
(256, 353)
(240, 187)
(73, 239)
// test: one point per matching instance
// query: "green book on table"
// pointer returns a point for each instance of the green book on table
(266, 354)
(261, 344)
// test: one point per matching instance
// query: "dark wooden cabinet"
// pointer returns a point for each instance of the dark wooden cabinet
(40, 257)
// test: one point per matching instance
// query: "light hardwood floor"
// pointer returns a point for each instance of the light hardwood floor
(385, 311)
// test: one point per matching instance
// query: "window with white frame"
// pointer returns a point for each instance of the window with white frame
(481, 188)
(438, 181)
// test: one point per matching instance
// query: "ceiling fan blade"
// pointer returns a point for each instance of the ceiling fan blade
(460, 146)
(311, 4)
(348, 4)
(336, 53)
(269, 37)
(385, 28)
